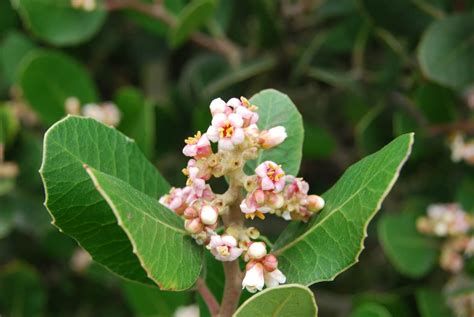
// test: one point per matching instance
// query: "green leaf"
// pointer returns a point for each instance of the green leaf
(21, 291)
(290, 300)
(332, 241)
(57, 22)
(190, 19)
(274, 109)
(138, 118)
(46, 90)
(412, 253)
(8, 18)
(402, 17)
(370, 310)
(14, 48)
(446, 50)
(145, 301)
(432, 304)
(9, 125)
(171, 258)
(77, 209)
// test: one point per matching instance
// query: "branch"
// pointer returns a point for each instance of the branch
(208, 297)
(220, 45)
(447, 128)
(232, 289)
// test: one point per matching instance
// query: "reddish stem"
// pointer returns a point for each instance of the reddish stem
(208, 297)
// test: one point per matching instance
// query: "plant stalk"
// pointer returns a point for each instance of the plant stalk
(208, 297)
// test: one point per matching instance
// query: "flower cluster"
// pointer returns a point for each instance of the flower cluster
(238, 139)
(451, 222)
(106, 112)
(462, 150)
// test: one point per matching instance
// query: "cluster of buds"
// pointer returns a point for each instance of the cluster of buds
(86, 5)
(445, 220)
(271, 191)
(106, 112)
(238, 139)
(462, 150)
(452, 222)
(460, 295)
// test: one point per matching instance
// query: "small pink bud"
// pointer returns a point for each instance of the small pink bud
(259, 196)
(190, 213)
(273, 137)
(193, 226)
(270, 263)
(276, 201)
(208, 215)
(257, 250)
(315, 203)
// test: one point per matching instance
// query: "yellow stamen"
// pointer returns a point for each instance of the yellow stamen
(257, 214)
(247, 104)
(185, 171)
(272, 172)
(194, 139)
(226, 131)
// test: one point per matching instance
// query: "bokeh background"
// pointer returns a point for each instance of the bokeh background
(360, 71)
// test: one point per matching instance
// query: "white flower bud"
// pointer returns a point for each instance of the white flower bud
(257, 250)
(273, 137)
(217, 106)
(208, 215)
(315, 203)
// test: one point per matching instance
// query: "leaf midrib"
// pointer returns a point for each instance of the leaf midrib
(112, 204)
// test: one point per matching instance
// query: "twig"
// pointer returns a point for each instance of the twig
(409, 107)
(220, 45)
(2, 153)
(447, 128)
(208, 297)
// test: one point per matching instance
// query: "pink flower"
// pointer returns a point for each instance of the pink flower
(254, 205)
(224, 247)
(273, 137)
(274, 278)
(244, 109)
(262, 272)
(226, 130)
(177, 199)
(270, 176)
(197, 146)
(219, 106)
(254, 279)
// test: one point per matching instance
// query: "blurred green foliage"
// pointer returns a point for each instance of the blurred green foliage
(360, 72)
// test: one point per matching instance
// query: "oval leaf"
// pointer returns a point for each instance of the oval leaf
(412, 253)
(446, 50)
(290, 300)
(168, 254)
(333, 240)
(77, 209)
(274, 109)
(47, 97)
(57, 22)
(432, 304)
(21, 291)
(14, 48)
